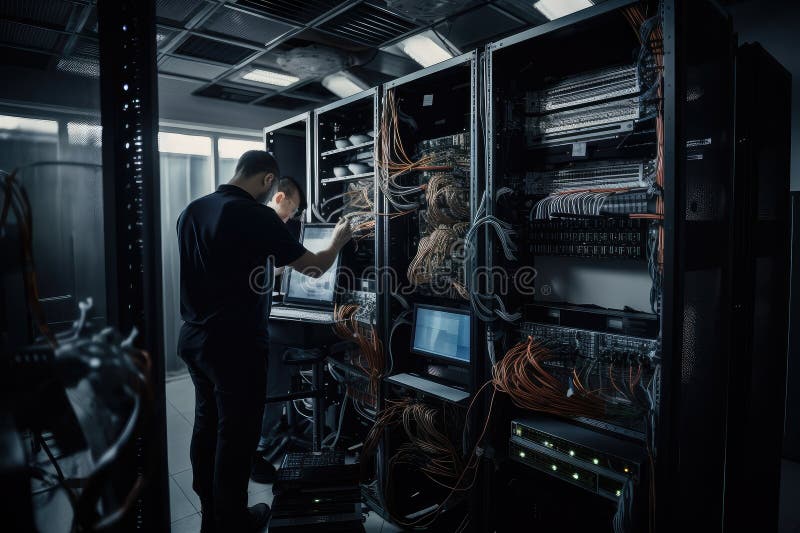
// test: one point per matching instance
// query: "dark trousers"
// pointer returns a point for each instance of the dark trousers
(279, 382)
(229, 377)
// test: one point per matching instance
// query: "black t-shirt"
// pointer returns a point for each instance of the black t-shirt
(229, 244)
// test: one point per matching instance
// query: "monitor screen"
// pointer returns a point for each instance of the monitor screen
(441, 333)
(305, 289)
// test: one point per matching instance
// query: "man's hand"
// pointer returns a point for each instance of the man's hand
(341, 233)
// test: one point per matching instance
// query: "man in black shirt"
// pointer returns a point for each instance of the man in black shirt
(230, 243)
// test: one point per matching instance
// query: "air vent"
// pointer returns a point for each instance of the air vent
(281, 101)
(86, 48)
(28, 36)
(232, 94)
(193, 69)
(234, 23)
(177, 10)
(368, 24)
(43, 12)
(202, 48)
(87, 68)
(298, 11)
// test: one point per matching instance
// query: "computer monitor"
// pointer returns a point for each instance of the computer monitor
(301, 289)
(442, 333)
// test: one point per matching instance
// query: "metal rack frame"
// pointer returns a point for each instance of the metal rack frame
(306, 117)
(131, 194)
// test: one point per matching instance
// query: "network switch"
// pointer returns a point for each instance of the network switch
(586, 458)
(595, 176)
(586, 88)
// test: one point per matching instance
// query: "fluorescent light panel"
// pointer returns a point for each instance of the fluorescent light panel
(234, 148)
(553, 9)
(178, 143)
(341, 85)
(424, 50)
(270, 78)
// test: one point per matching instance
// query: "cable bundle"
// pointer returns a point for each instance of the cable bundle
(428, 449)
(447, 202)
(521, 375)
(434, 261)
(370, 347)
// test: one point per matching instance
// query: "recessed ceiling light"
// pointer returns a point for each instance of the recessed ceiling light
(424, 50)
(270, 78)
(553, 9)
(342, 85)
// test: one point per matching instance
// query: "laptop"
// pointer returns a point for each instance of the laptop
(306, 298)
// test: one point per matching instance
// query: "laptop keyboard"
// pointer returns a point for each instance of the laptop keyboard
(310, 315)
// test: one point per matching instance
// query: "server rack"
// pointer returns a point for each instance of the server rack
(344, 152)
(532, 125)
(438, 106)
(755, 410)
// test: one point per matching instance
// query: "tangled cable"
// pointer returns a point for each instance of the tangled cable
(427, 449)
(436, 263)
(370, 348)
(521, 374)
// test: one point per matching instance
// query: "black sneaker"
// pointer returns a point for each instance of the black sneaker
(259, 514)
(262, 470)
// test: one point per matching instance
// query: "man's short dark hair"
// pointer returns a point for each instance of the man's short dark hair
(256, 161)
(288, 186)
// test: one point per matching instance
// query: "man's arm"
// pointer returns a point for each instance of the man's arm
(315, 264)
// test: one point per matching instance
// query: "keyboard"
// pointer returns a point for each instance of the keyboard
(303, 315)
(431, 387)
(315, 472)
(312, 459)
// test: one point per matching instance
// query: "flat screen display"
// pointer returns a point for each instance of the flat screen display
(441, 333)
(308, 290)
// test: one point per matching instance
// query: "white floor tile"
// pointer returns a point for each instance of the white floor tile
(184, 481)
(374, 523)
(179, 437)
(179, 505)
(190, 524)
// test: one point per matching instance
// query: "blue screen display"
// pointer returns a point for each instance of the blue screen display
(305, 288)
(441, 333)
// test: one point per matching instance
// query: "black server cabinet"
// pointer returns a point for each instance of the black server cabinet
(755, 414)
(628, 107)
(435, 113)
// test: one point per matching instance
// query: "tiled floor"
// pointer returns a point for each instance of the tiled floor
(185, 505)
(183, 502)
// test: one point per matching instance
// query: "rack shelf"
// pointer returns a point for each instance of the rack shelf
(347, 148)
(349, 177)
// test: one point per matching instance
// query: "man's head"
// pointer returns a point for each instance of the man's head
(257, 173)
(287, 199)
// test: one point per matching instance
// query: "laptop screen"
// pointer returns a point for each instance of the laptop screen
(305, 289)
(442, 333)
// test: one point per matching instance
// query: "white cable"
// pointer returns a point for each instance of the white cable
(341, 420)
